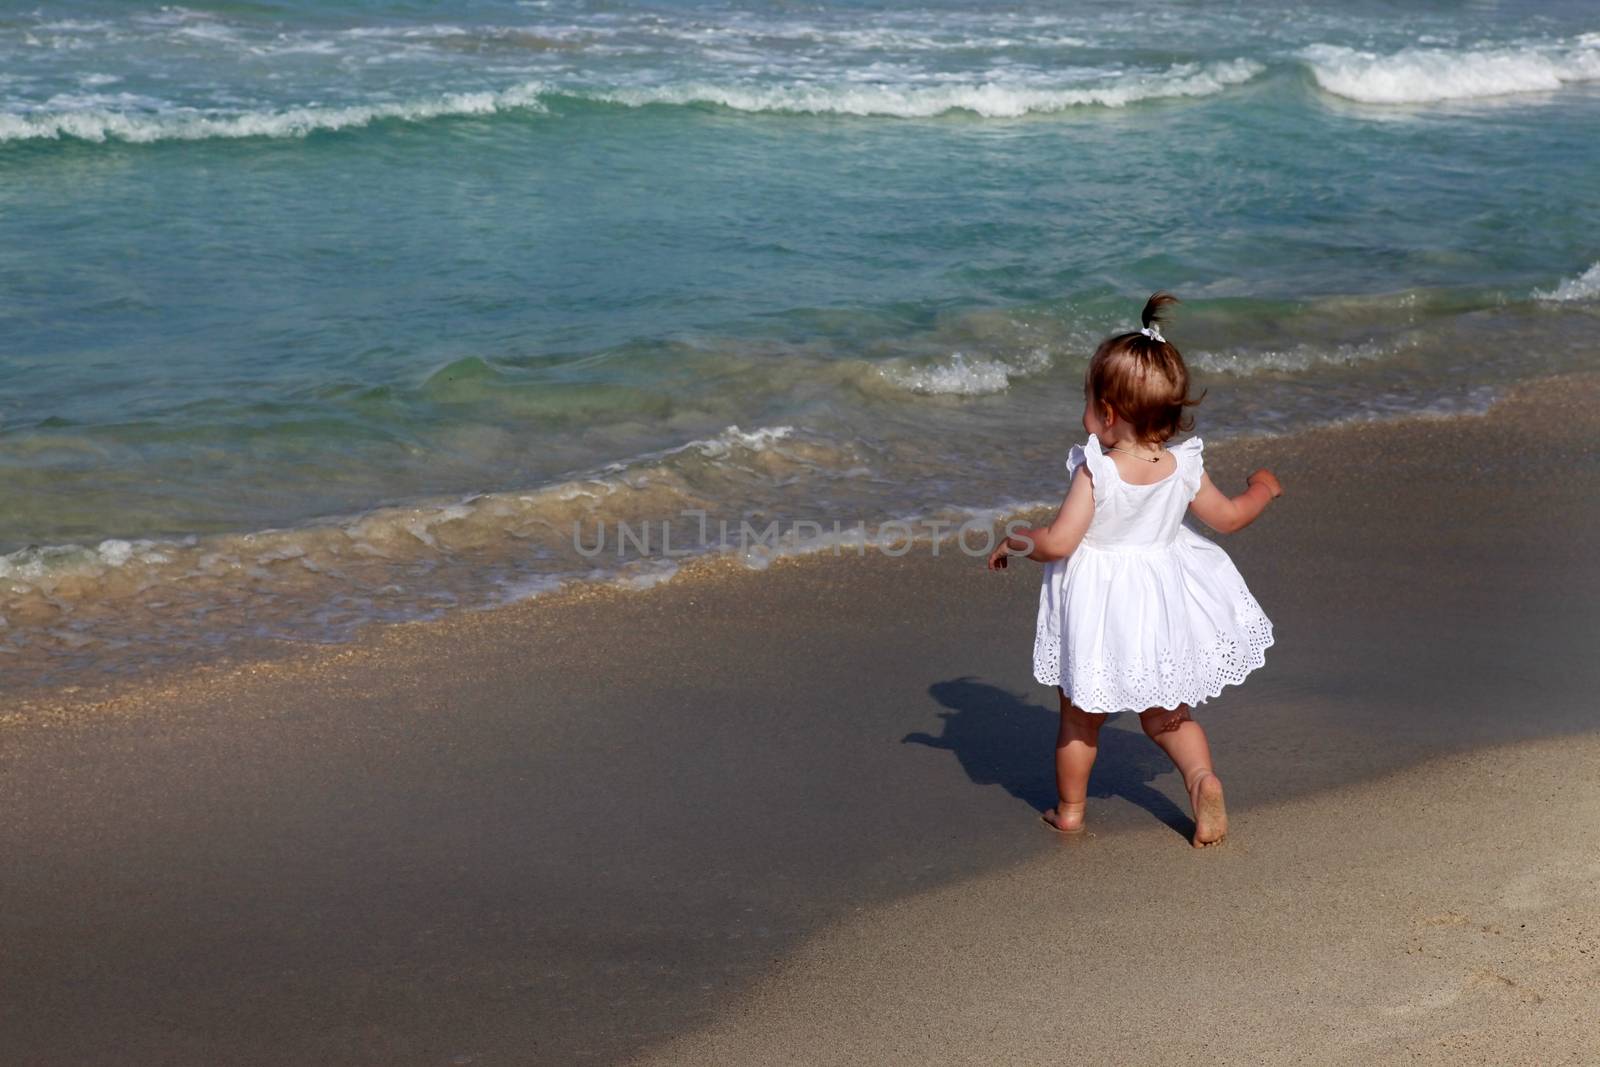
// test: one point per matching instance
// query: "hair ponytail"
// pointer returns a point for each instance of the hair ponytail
(1155, 307)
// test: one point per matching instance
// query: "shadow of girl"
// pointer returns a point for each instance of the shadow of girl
(1002, 740)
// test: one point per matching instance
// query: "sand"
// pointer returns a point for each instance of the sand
(1445, 914)
(791, 815)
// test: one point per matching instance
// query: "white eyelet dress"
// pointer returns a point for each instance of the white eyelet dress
(1146, 613)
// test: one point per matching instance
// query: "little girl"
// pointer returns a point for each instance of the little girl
(1137, 611)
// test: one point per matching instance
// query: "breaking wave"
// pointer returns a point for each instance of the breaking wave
(962, 375)
(1291, 359)
(987, 99)
(188, 124)
(1427, 75)
(1585, 286)
(141, 121)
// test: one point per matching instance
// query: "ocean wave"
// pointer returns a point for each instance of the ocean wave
(1585, 286)
(988, 99)
(1243, 362)
(1405, 406)
(99, 123)
(961, 375)
(655, 483)
(919, 36)
(1427, 75)
(723, 445)
(141, 120)
(121, 605)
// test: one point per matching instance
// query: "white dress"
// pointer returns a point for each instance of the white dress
(1146, 612)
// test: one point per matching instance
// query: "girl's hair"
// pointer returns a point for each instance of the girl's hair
(1143, 378)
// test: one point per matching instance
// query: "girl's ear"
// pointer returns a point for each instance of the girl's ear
(1107, 416)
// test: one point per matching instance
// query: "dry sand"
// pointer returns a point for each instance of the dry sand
(791, 815)
(1447, 914)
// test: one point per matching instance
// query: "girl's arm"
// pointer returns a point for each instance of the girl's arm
(1056, 541)
(1224, 514)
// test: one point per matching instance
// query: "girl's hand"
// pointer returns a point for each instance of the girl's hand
(999, 557)
(1268, 479)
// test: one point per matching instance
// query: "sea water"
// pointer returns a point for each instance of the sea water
(317, 314)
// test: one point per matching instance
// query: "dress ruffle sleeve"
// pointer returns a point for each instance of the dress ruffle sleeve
(1190, 455)
(1090, 455)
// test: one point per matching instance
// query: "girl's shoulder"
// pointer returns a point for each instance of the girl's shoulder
(1090, 457)
(1190, 454)
(1192, 447)
(1087, 454)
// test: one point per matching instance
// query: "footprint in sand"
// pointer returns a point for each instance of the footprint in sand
(1481, 980)
(1484, 978)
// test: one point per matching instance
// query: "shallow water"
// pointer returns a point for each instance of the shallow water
(318, 314)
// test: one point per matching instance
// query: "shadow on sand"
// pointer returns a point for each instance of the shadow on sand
(1003, 740)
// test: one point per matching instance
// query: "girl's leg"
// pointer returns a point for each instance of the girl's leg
(1076, 745)
(1182, 739)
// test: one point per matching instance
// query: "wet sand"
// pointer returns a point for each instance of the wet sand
(792, 815)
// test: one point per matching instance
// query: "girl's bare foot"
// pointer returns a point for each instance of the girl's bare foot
(1210, 816)
(1064, 818)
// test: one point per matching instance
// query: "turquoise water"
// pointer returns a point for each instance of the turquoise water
(313, 314)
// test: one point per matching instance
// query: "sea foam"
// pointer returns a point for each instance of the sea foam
(960, 375)
(1585, 286)
(988, 99)
(188, 124)
(1426, 75)
(1297, 358)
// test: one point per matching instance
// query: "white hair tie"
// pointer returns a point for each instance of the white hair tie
(1154, 333)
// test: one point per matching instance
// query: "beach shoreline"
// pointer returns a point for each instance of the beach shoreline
(578, 827)
(38, 703)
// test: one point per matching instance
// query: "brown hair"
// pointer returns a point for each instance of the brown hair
(1142, 379)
